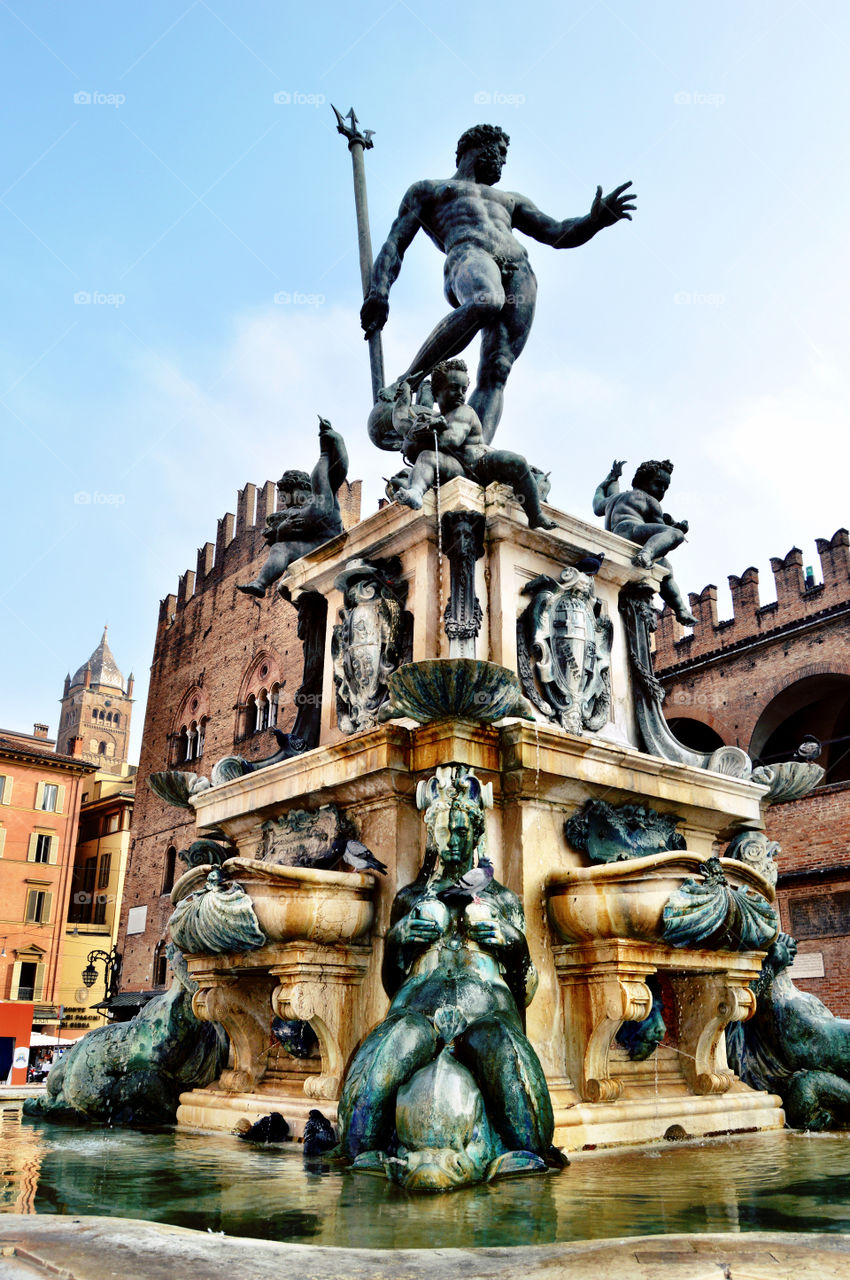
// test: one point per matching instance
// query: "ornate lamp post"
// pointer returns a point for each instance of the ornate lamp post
(111, 961)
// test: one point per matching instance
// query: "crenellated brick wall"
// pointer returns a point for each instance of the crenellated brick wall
(797, 601)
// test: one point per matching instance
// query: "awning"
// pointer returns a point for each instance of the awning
(38, 1041)
(128, 1000)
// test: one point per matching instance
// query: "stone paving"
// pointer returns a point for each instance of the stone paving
(92, 1248)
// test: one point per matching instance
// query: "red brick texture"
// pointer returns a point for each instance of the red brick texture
(742, 678)
(214, 646)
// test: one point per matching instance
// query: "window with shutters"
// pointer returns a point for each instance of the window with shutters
(38, 906)
(103, 870)
(5, 788)
(29, 985)
(49, 797)
(41, 848)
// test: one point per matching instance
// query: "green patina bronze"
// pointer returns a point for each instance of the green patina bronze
(456, 689)
(447, 1090)
(793, 1046)
(132, 1073)
(217, 918)
(710, 913)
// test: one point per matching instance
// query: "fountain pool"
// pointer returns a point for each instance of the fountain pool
(776, 1182)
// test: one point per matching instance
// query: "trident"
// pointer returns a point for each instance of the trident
(358, 142)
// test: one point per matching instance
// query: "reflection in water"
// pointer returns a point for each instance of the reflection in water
(757, 1182)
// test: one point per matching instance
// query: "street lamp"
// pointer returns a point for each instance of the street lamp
(111, 961)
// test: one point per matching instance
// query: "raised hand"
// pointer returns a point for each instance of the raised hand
(606, 210)
(374, 312)
(617, 469)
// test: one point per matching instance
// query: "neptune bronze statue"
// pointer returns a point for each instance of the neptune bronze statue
(448, 1090)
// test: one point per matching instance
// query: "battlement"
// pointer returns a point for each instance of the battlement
(238, 540)
(799, 596)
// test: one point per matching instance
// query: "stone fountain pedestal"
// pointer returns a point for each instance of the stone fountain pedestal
(324, 949)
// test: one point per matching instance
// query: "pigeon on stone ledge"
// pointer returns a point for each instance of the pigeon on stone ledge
(319, 1134)
(359, 858)
(590, 564)
(270, 1128)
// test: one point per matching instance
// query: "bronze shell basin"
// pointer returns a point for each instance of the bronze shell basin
(297, 904)
(627, 899)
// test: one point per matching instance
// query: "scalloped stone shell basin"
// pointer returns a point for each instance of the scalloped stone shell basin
(627, 899)
(214, 1182)
(297, 904)
(457, 688)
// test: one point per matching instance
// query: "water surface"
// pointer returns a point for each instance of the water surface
(756, 1182)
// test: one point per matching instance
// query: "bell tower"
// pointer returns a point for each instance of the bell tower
(94, 723)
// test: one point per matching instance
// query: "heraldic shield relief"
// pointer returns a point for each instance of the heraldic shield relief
(370, 641)
(564, 651)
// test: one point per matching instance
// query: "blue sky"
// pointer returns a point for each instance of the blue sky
(147, 164)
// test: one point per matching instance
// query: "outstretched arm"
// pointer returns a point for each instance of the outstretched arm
(571, 232)
(376, 308)
(607, 488)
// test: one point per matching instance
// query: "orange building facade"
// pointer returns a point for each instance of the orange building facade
(40, 797)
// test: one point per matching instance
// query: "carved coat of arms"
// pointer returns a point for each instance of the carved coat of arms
(370, 640)
(564, 651)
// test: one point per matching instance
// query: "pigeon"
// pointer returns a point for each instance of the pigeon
(319, 1135)
(469, 886)
(297, 1038)
(359, 858)
(809, 749)
(591, 564)
(270, 1128)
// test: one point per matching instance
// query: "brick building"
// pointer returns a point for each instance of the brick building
(224, 673)
(765, 679)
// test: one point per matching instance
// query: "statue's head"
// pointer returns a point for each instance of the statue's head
(450, 383)
(490, 146)
(454, 801)
(780, 956)
(653, 477)
(294, 488)
(466, 827)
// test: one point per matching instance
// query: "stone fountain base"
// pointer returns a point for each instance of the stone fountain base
(542, 773)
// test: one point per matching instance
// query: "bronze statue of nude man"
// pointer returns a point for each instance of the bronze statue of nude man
(488, 278)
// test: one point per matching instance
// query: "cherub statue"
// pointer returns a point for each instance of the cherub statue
(309, 513)
(447, 441)
(636, 514)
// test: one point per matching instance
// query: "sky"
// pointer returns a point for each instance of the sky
(181, 281)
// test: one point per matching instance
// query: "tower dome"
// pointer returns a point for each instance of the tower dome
(102, 667)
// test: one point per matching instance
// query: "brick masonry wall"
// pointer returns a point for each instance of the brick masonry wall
(210, 638)
(815, 836)
(730, 691)
(726, 675)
